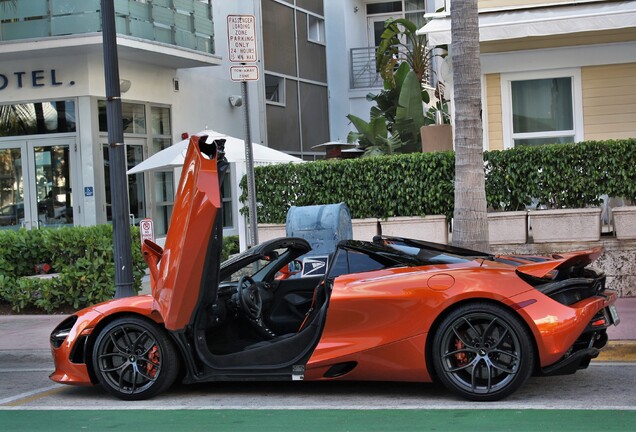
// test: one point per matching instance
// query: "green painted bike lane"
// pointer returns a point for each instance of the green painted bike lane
(318, 420)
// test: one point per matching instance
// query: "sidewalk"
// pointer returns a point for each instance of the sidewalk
(25, 337)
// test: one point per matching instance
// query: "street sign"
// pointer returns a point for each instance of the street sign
(244, 73)
(241, 38)
(146, 230)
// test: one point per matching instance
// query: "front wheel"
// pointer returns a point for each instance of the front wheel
(482, 352)
(134, 359)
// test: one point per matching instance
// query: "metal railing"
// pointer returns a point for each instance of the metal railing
(363, 72)
(183, 23)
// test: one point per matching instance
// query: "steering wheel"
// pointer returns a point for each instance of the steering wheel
(251, 303)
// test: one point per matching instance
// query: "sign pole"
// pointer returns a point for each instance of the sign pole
(249, 159)
(242, 48)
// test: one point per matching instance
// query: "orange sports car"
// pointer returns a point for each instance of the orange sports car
(392, 309)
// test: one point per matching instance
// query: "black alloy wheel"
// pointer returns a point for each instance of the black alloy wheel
(134, 359)
(482, 352)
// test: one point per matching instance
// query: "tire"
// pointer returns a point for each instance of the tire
(134, 359)
(482, 352)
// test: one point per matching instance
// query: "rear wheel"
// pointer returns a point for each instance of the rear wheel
(134, 359)
(482, 352)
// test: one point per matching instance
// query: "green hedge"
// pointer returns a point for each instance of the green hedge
(560, 175)
(83, 257)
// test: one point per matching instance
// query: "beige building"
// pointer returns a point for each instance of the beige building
(553, 71)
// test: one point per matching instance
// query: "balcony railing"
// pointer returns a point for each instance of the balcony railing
(363, 70)
(183, 23)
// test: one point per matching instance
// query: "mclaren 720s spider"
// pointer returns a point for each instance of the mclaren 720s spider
(390, 309)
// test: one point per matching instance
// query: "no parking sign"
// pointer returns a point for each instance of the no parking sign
(146, 230)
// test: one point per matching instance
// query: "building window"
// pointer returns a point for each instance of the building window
(133, 117)
(542, 108)
(37, 118)
(315, 29)
(275, 89)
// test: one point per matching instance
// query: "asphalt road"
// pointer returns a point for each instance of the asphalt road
(612, 386)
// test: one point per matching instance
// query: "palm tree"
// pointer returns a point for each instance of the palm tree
(470, 222)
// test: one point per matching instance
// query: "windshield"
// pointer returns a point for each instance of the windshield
(256, 267)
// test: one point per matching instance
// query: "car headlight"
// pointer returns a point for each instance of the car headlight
(62, 331)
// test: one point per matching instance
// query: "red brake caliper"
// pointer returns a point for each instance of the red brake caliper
(461, 357)
(153, 356)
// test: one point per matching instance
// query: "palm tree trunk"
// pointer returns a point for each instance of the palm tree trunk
(470, 221)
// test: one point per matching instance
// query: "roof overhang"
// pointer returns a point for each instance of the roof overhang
(128, 48)
(540, 21)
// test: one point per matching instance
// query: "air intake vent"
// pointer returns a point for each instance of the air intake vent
(340, 369)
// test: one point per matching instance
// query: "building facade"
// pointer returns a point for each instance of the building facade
(553, 71)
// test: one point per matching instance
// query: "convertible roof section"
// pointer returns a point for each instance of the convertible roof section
(572, 259)
(433, 246)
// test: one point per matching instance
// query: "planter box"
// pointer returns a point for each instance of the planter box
(429, 228)
(508, 227)
(437, 138)
(270, 231)
(624, 222)
(364, 229)
(565, 225)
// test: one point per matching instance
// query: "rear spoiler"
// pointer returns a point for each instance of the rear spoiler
(571, 259)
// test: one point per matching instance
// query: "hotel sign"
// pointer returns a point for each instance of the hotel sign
(33, 79)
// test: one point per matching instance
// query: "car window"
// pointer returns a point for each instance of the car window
(350, 261)
(428, 256)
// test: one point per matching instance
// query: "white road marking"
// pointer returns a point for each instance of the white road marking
(28, 394)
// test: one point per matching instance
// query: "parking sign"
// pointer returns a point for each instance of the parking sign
(146, 230)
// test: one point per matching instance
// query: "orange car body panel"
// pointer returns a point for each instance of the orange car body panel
(66, 371)
(176, 279)
(543, 268)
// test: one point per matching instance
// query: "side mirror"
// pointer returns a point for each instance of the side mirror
(291, 269)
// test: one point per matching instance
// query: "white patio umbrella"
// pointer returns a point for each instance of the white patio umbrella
(174, 156)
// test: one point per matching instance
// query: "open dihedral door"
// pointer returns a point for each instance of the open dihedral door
(191, 257)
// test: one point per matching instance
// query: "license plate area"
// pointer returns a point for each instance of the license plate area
(613, 313)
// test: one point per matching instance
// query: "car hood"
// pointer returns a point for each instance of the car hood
(186, 270)
(561, 261)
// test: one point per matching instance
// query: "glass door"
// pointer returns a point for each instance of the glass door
(51, 191)
(12, 186)
(35, 183)
(135, 150)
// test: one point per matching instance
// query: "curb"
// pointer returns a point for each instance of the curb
(618, 351)
(14, 357)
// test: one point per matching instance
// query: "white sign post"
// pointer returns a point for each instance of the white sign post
(242, 48)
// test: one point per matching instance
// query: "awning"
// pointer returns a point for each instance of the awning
(540, 21)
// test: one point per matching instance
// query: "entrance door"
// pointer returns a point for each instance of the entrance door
(35, 183)
(135, 151)
(375, 27)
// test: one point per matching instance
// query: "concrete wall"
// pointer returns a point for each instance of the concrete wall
(618, 261)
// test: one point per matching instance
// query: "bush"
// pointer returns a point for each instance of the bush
(83, 257)
(560, 175)
(230, 247)
(383, 186)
